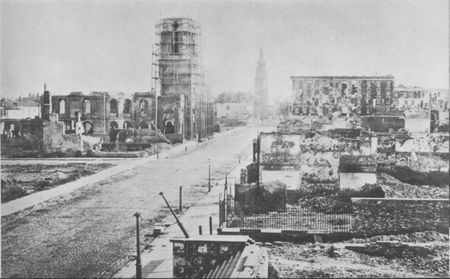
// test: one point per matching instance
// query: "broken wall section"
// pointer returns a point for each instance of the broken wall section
(23, 137)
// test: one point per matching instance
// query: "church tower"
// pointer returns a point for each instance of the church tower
(260, 108)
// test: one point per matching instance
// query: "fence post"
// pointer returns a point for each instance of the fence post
(181, 198)
(138, 249)
(209, 175)
(210, 225)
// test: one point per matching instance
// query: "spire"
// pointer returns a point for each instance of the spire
(261, 53)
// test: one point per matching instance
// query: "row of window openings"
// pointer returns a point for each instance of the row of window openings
(113, 106)
(89, 128)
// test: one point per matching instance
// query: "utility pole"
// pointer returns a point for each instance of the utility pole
(157, 150)
(138, 249)
(209, 175)
(225, 189)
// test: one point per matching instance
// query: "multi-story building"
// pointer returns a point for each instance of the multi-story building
(179, 74)
(101, 112)
(321, 95)
(420, 98)
(234, 106)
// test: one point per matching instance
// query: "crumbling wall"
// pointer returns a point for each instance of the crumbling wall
(27, 140)
(372, 216)
(265, 198)
(383, 123)
(56, 141)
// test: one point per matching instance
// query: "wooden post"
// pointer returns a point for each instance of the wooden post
(181, 198)
(138, 249)
(210, 225)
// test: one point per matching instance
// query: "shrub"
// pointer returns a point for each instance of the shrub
(11, 192)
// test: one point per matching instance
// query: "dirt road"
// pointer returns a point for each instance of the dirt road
(89, 232)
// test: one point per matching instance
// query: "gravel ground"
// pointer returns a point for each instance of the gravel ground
(90, 232)
(314, 260)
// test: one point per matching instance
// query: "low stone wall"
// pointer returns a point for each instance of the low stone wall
(372, 216)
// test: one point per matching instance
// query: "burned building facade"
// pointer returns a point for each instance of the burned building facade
(179, 75)
(102, 112)
(321, 95)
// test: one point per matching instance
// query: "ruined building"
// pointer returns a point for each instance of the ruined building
(185, 109)
(106, 116)
(260, 108)
(321, 95)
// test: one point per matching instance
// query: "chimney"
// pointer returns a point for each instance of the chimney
(45, 108)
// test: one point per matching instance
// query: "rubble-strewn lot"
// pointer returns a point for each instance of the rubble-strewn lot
(333, 260)
(21, 180)
(393, 188)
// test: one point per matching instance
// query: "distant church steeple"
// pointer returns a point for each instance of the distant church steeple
(260, 108)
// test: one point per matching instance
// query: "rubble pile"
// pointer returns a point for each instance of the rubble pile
(154, 149)
(421, 163)
(318, 169)
(321, 143)
(394, 188)
(425, 143)
(333, 260)
(426, 236)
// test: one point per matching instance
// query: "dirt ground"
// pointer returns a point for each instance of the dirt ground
(313, 260)
(20, 180)
(90, 232)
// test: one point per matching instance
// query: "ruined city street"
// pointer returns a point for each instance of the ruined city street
(91, 231)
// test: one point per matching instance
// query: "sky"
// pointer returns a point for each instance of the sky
(105, 45)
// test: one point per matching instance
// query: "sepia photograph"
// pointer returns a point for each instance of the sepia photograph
(224, 138)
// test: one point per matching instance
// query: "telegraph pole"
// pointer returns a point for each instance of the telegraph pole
(138, 249)
(209, 175)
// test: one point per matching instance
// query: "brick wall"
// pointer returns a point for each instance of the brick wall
(193, 257)
(372, 216)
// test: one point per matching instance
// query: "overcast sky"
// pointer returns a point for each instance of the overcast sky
(106, 45)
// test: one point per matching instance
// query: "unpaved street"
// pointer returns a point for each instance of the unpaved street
(90, 232)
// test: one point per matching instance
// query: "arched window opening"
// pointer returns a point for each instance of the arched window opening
(127, 125)
(127, 106)
(170, 129)
(113, 106)
(88, 128)
(143, 107)
(114, 125)
(62, 106)
(86, 106)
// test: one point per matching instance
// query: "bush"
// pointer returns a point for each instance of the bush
(11, 192)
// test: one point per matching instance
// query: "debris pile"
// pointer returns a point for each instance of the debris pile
(394, 188)
(155, 148)
(333, 260)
